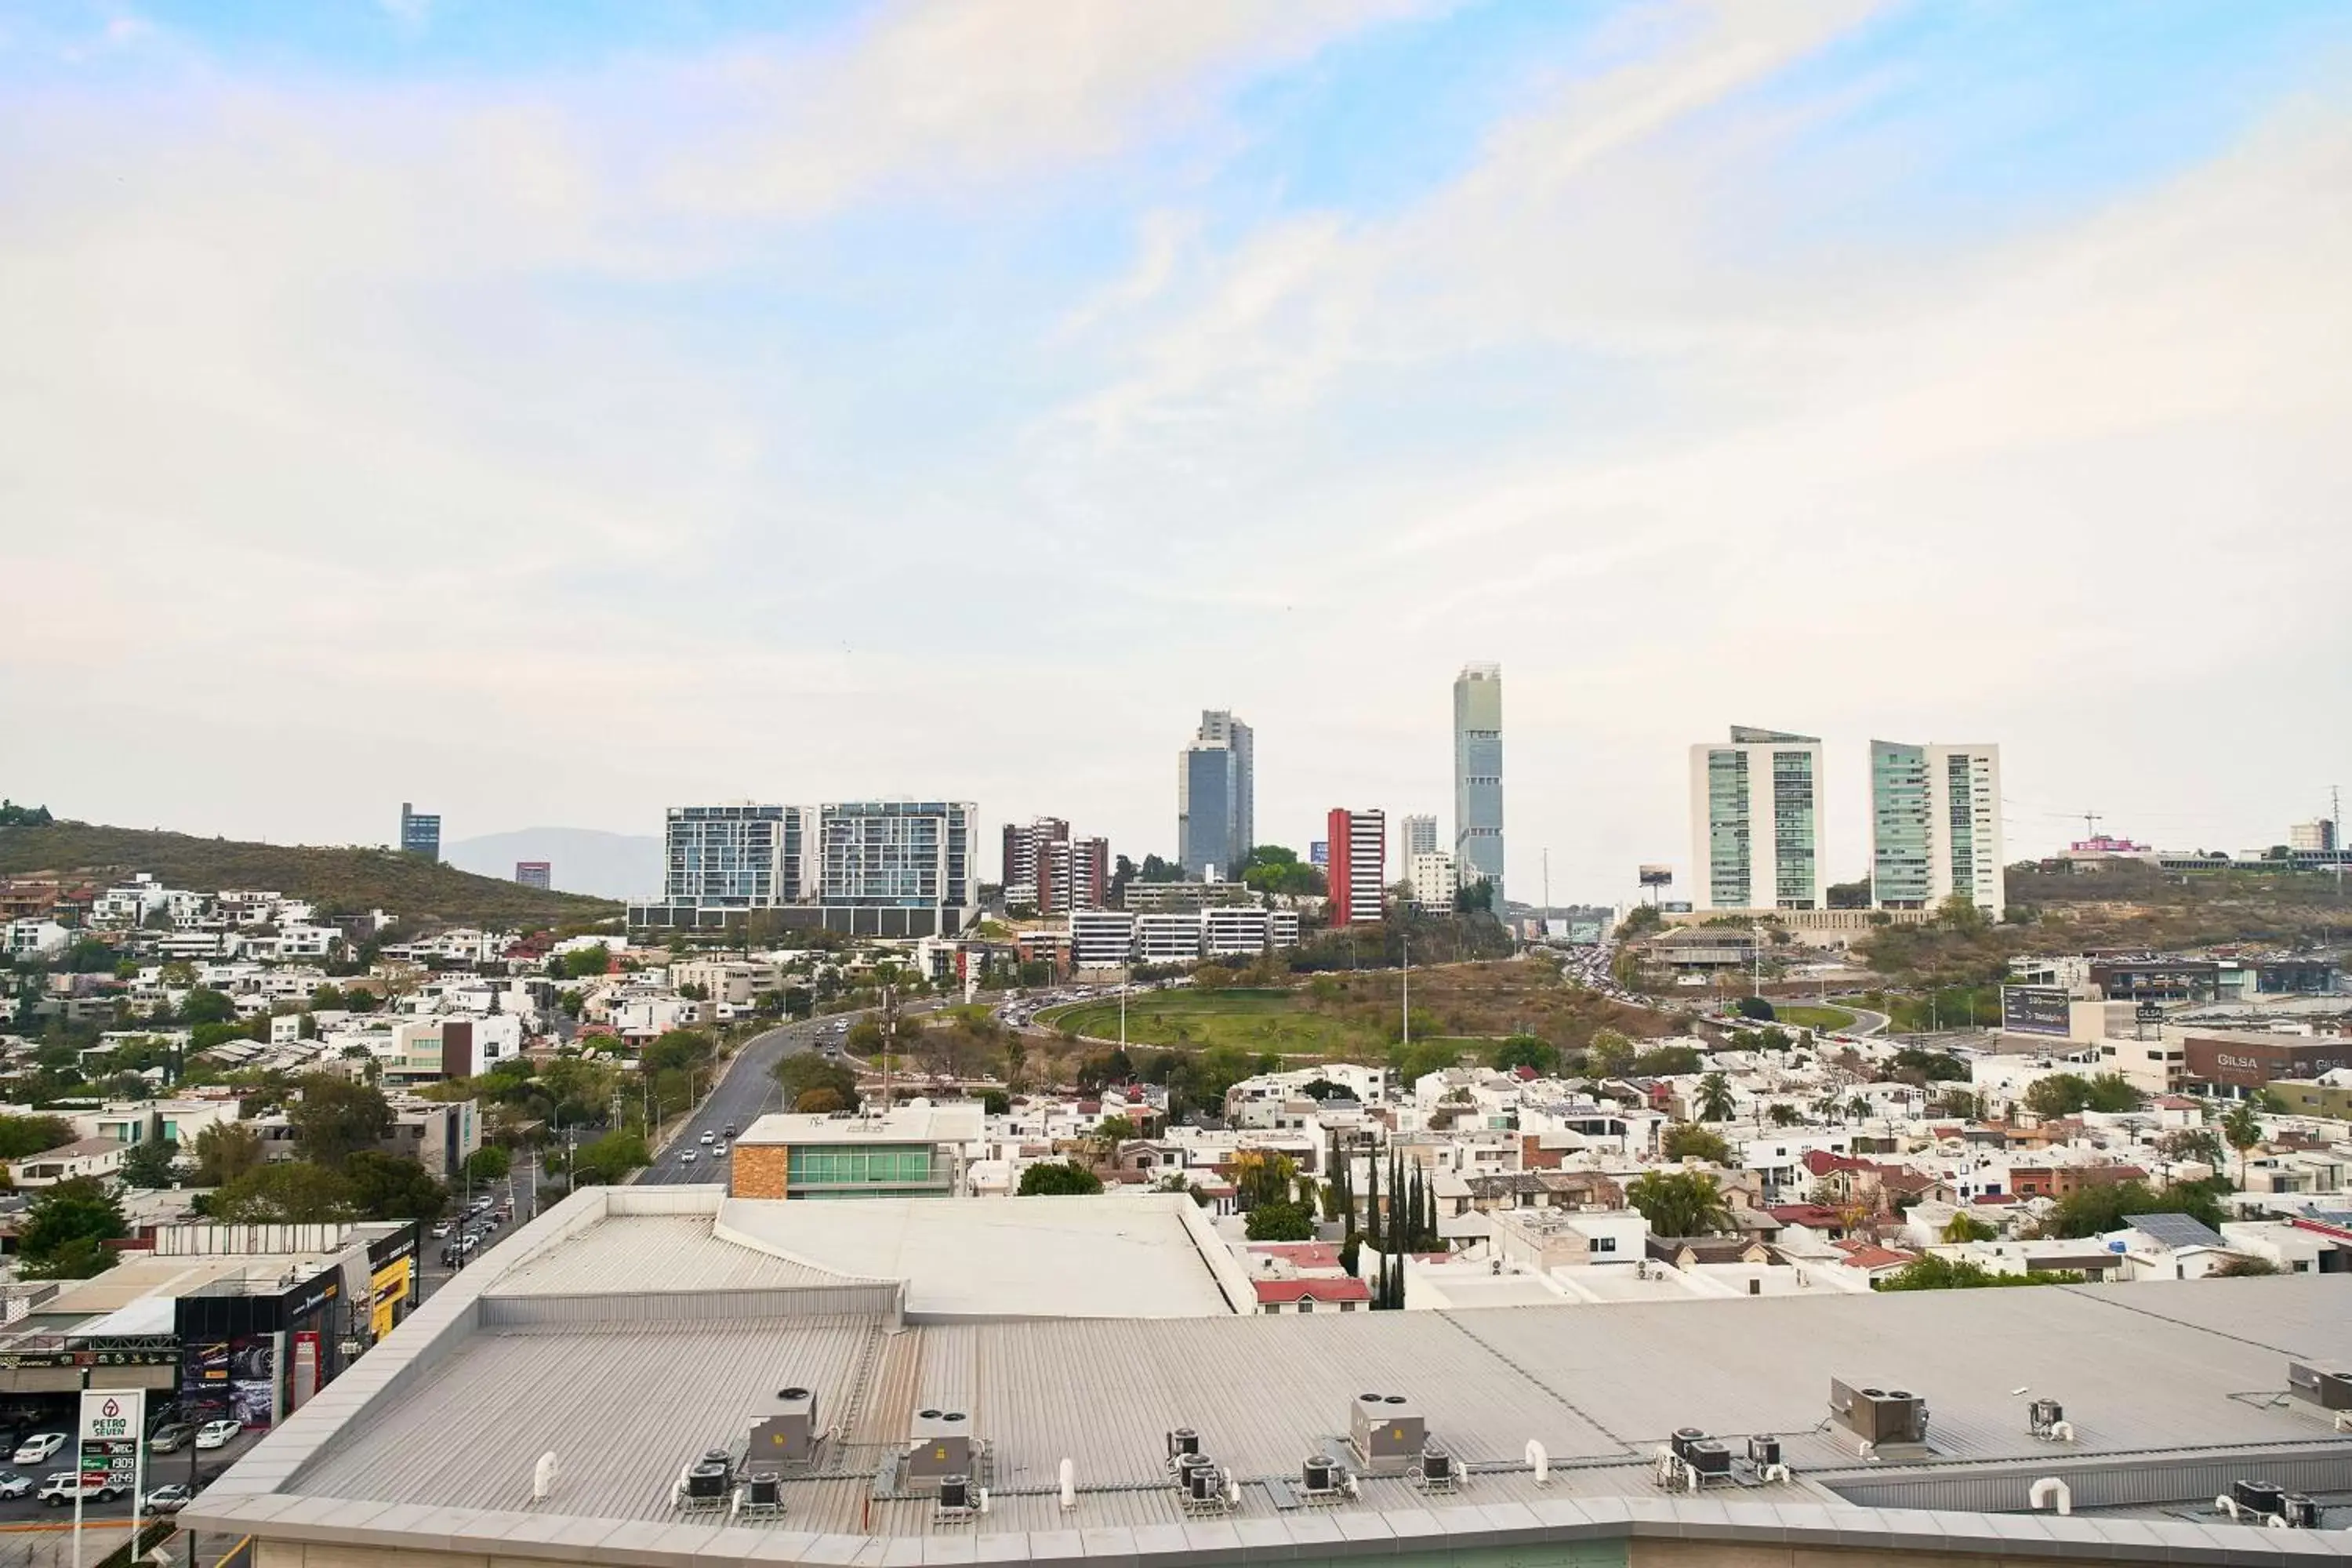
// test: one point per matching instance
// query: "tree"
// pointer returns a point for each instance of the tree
(1409, 1063)
(336, 1118)
(808, 1071)
(1679, 1203)
(1059, 1178)
(2096, 1210)
(610, 1159)
(1782, 1114)
(23, 1135)
(1929, 1067)
(66, 1230)
(995, 1102)
(678, 1050)
(583, 963)
(1755, 1008)
(1611, 1055)
(488, 1163)
(2242, 1128)
(150, 1165)
(1666, 1061)
(2198, 1143)
(1262, 1176)
(2243, 1266)
(225, 1151)
(284, 1192)
(203, 1007)
(395, 1186)
(1525, 1051)
(1935, 1273)
(1963, 1226)
(1113, 1131)
(1715, 1099)
(1688, 1139)
(1280, 1222)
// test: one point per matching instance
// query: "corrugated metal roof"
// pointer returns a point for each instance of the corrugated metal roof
(666, 1253)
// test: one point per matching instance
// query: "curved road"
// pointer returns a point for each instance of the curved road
(746, 1092)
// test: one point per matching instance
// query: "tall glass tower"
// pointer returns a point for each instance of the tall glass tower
(1217, 789)
(1756, 821)
(1478, 776)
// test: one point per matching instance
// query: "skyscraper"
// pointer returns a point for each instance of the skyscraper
(911, 857)
(1359, 842)
(1024, 844)
(1478, 776)
(740, 856)
(1417, 834)
(1216, 814)
(420, 833)
(1756, 821)
(1935, 825)
(535, 873)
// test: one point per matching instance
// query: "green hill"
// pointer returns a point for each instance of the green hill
(340, 881)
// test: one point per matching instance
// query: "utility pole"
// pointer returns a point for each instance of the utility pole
(1408, 990)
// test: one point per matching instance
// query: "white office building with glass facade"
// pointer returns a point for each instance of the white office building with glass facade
(1935, 825)
(739, 856)
(1756, 821)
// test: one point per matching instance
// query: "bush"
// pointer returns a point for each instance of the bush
(1059, 1178)
(1755, 1008)
(1280, 1222)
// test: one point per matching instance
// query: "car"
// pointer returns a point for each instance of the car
(171, 1438)
(440, 1230)
(171, 1498)
(218, 1433)
(66, 1486)
(686, 1158)
(708, 1138)
(469, 1244)
(730, 1131)
(13, 1485)
(40, 1446)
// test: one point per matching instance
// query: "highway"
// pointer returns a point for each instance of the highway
(748, 1090)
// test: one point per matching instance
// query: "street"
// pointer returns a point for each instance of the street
(519, 1190)
(747, 1090)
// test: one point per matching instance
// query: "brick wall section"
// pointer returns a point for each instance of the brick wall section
(758, 1170)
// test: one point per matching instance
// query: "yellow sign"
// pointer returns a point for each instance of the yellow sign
(391, 1283)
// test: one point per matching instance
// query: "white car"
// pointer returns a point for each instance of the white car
(63, 1489)
(38, 1448)
(686, 1158)
(13, 1485)
(169, 1499)
(218, 1433)
(710, 1137)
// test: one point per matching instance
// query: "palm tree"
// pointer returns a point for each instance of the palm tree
(2242, 1130)
(1679, 1203)
(1857, 1108)
(1714, 1102)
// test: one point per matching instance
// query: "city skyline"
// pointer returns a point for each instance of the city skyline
(1846, 362)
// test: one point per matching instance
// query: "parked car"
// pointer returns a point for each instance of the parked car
(37, 1448)
(218, 1433)
(68, 1485)
(172, 1439)
(13, 1485)
(171, 1498)
(440, 1230)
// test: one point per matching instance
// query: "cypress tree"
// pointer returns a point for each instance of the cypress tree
(1373, 1202)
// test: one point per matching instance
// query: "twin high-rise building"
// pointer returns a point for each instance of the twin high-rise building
(869, 867)
(1049, 871)
(1934, 826)
(1755, 824)
(1756, 821)
(1216, 791)
(420, 833)
(1478, 776)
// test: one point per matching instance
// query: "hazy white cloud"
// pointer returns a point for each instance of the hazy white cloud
(549, 451)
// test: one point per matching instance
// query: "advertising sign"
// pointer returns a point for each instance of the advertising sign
(392, 1284)
(114, 1421)
(2035, 1010)
(1657, 875)
(253, 1379)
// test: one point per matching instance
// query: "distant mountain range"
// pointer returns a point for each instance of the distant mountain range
(584, 861)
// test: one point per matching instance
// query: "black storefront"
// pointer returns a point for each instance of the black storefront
(257, 1356)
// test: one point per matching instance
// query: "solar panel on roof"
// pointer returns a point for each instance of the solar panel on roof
(2175, 1230)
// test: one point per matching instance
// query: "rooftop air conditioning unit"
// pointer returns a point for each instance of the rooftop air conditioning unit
(2327, 1384)
(1386, 1427)
(1880, 1414)
(1710, 1459)
(788, 1437)
(941, 1445)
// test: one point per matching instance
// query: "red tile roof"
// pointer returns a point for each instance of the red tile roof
(1270, 1291)
(1303, 1254)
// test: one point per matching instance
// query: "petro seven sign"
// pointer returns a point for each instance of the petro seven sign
(114, 1421)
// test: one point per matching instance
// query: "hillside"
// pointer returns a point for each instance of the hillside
(340, 881)
(602, 864)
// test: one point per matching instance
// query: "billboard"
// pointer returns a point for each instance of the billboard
(1657, 875)
(2035, 1010)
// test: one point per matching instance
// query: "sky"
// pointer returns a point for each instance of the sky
(552, 414)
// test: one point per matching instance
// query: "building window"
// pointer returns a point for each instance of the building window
(1307, 1303)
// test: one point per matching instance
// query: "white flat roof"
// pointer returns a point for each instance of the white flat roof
(1035, 1258)
(960, 1123)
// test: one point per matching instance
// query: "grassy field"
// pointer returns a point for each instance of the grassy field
(1254, 1020)
(1805, 1015)
(356, 880)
